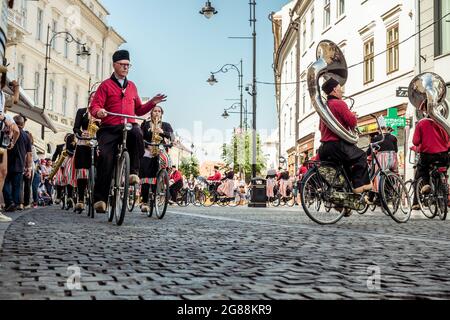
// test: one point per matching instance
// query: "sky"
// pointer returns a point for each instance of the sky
(173, 51)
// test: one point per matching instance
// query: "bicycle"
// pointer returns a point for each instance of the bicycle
(159, 199)
(214, 197)
(435, 202)
(117, 203)
(89, 199)
(328, 184)
(191, 196)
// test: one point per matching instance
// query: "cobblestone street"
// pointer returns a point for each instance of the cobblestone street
(223, 253)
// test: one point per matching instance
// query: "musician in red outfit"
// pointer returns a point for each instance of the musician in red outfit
(118, 95)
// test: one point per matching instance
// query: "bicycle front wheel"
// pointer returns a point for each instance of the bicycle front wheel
(90, 193)
(122, 188)
(442, 197)
(162, 194)
(394, 197)
(183, 198)
(427, 202)
(132, 198)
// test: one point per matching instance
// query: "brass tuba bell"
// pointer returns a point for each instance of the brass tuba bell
(330, 64)
(429, 88)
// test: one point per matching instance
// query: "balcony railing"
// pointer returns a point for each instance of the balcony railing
(17, 18)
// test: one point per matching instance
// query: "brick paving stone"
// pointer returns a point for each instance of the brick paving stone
(263, 255)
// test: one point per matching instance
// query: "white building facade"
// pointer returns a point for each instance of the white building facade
(370, 33)
(69, 75)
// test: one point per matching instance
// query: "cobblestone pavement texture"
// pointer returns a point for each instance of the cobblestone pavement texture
(223, 253)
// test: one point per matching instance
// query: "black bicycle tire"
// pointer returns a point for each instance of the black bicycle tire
(209, 197)
(133, 198)
(418, 192)
(124, 163)
(182, 201)
(90, 193)
(442, 207)
(160, 214)
(383, 197)
(303, 185)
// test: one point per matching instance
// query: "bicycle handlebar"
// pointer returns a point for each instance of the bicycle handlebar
(126, 116)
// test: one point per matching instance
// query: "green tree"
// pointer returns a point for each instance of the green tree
(239, 153)
(190, 166)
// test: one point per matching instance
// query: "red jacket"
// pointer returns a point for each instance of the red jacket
(430, 137)
(343, 114)
(112, 98)
(176, 176)
(216, 177)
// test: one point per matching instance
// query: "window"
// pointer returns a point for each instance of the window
(64, 100)
(443, 28)
(78, 50)
(304, 35)
(97, 67)
(326, 14)
(76, 98)
(51, 95)
(304, 98)
(340, 8)
(66, 49)
(312, 26)
(392, 49)
(37, 78)
(369, 61)
(40, 18)
(55, 30)
(20, 74)
(88, 64)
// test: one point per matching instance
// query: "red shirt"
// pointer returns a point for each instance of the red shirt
(303, 169)
(342, 113)
(109, 97)
(216, 177)
(430, 137)
(176, 176)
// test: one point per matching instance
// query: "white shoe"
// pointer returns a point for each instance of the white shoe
(4, 218)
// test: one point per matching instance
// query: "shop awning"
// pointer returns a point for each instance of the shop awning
(26, 107)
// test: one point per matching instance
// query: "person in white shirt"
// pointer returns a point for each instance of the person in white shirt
(9, 133)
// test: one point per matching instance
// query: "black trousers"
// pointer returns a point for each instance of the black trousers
(424, 166)
(351, 157)
(108, 141)
(174, 189)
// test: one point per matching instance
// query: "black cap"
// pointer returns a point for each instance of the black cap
(329, 85)
(121, 55)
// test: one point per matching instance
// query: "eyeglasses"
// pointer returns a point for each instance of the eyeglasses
(124, 65)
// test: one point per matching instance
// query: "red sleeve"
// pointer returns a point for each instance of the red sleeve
(417, 139)
(142, 109)
(348, 117)
(99, 100)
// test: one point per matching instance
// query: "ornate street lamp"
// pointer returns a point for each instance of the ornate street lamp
(83, 52)
(212, 80)
(225, 114)
(225, 68)
(208, 11)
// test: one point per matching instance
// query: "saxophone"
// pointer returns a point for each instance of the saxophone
(58, 164)
(92, 127)
(156, 138)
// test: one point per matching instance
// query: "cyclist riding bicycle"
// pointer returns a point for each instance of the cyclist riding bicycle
(118, 95)
(150, 162)
(433, 146)
(334, 149)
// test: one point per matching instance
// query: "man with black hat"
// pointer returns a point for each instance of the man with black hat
(334, 149)
(118, 95)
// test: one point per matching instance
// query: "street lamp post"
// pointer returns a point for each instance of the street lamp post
(84, 52)
(212, 81)
(254, 92)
